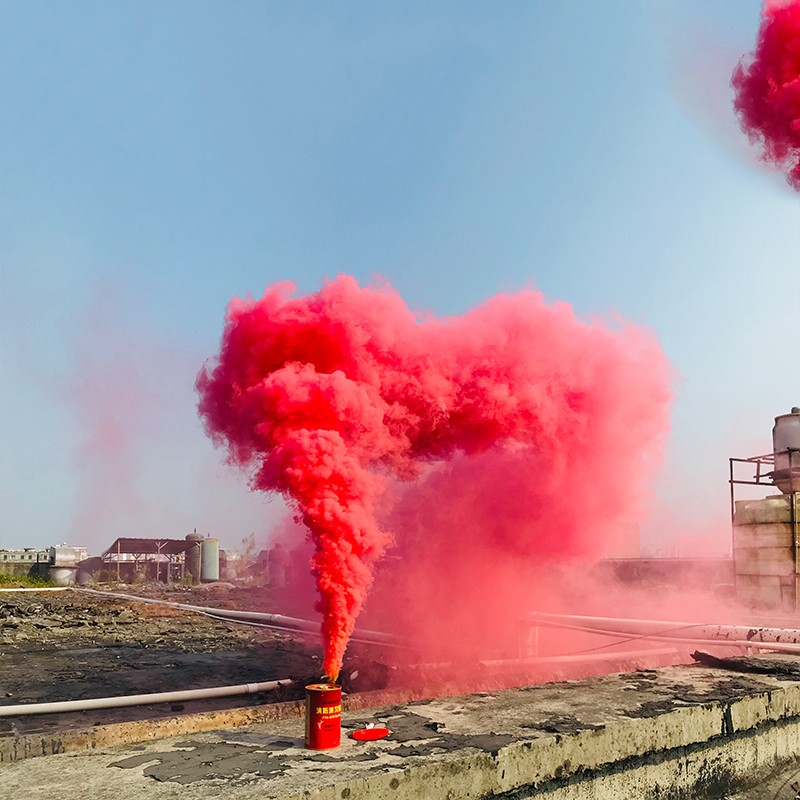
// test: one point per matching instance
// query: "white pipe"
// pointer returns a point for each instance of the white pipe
(686, 630)
(773, 647)
(275, 619)
(581, 658)
(39, 589)
(774, 639)
(256, 616)
(139, 699)
(314, 634)
(570, 658)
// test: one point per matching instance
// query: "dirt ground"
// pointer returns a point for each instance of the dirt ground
(73, 645)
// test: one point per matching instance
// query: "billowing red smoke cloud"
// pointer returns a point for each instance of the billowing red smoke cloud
(767, 84)
(331, 397)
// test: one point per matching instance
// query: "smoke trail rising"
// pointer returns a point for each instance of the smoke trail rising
(326, 397)
(767, 85)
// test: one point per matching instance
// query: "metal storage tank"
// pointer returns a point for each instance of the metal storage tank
(63, 576)
(209, 561)
(193, 555)
(786, 447)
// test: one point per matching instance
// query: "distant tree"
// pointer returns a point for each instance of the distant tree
(248, 548)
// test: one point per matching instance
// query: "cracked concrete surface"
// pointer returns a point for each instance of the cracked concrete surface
(674, 732)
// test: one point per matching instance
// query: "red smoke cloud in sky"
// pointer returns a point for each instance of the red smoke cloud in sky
(338, 396)
(767, 85)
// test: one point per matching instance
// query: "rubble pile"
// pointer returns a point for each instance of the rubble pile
(74, 645)
(70, 620)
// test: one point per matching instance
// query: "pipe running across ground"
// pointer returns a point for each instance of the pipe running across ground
(278, 621)
(780, 640)
(139, 699)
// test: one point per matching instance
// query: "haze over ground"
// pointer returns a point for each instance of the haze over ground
(159, 159)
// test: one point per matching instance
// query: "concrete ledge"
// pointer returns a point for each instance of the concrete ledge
(32, 745)
(86, 736)
(671, 733)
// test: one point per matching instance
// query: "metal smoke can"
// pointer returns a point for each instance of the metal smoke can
(323, 716)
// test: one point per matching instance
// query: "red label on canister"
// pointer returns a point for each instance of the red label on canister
(323, 716)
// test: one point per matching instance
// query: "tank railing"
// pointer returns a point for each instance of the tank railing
(761, 477)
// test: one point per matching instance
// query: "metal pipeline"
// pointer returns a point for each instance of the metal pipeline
(312, 634)
(775, 639)
(277, 620)
(139, 699)
(38, 589)
(580, 658)
(569, 658)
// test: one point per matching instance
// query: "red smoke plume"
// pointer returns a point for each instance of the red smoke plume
(767, 84)
(328, 397)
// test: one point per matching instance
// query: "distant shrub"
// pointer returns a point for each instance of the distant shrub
(27, 581)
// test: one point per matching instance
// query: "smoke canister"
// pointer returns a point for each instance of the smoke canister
(323, 716)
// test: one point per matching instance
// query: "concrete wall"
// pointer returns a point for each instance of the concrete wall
(681, 733)
(765, 552)
(23, 563)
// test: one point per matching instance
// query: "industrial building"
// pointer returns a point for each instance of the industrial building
(28, 562)
(195, 558)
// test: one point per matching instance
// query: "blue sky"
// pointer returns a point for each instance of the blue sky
(157, 159)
